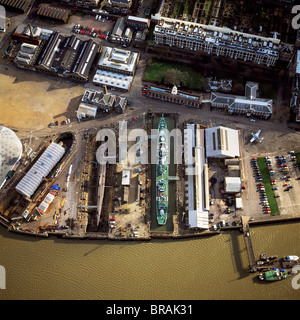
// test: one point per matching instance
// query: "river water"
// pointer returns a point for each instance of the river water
(203, 268)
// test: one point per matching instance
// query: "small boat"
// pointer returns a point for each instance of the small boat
(264, 256)
(290, 258)
(274, 275)
(273, 257)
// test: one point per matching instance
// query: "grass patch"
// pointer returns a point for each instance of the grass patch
(157, 72)
(267, 91)
(298, 158)
(266, 179)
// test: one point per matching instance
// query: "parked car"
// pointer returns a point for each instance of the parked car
(275, 188)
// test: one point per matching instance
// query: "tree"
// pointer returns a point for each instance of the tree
(172, 76)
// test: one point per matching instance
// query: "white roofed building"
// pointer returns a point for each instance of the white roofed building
(233, 184)
(112, 79)
(222, 142)
(10, 152)
(196, 183)
(116, 68)
(42, 167)
(118, 60)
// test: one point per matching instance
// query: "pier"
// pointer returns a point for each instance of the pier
(263, 265)
(248, 243)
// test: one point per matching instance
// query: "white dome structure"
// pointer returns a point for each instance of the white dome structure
(10, 152)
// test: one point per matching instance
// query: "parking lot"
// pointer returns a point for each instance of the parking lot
(287, 184)
(278, 187)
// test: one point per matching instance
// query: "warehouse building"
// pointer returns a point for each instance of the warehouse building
(233, 184)
(68, 57)
(40, 170)
(52, 12)
(30, 34)
(22, 6)
(27, 55)
(10, 152)
(196, 183)
(222, 142)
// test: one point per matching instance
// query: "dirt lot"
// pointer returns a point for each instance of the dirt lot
(31, 101)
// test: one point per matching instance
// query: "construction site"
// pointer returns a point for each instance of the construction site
(39, 211)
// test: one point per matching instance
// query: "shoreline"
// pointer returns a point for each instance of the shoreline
(152, 236)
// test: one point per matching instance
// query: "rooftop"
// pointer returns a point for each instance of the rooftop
(222, 142)
(220, 36)
(42, 167)
(118, 59)
(10, 152)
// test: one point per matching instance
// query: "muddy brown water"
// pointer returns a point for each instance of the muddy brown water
(204, 268)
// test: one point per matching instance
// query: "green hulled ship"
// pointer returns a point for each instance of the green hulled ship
(274, 275)
(162, 173)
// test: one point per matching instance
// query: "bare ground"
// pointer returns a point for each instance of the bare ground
(31, 101)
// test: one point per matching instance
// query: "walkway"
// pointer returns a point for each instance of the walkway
(248, 243)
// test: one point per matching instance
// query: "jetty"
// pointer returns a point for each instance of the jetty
(248, 243)
(263, 264)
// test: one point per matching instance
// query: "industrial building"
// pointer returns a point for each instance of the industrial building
(222, 142)
(233, 185)
(27, 55)
(22, 6)
(196, 183)
(52, 12)
(250, 104)
(10, 152)
(67, 56)
(219, 41)
(40, 170)
(30, 34)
